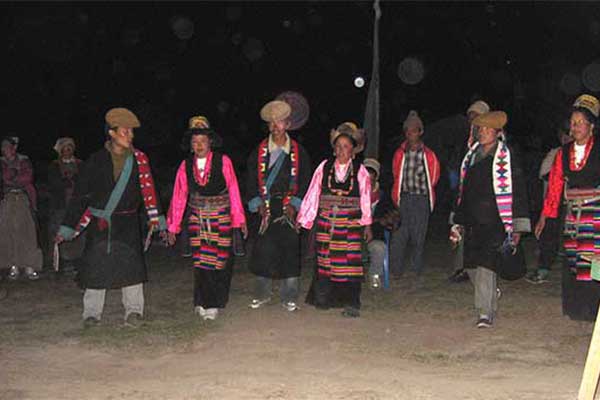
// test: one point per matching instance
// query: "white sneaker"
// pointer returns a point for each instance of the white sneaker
(31, 274)
(211, 314)
(199, 310)
(290, 306)
(375, 281)
(13, 273)
(256, 303)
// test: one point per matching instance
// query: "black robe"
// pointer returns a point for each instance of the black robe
(124, 265)
(478, 211)
(276, 253)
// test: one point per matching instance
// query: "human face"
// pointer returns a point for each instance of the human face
(278, 128)
(9, 150)
(413, 135)
(487, 136)
(373, 177)
(200, 145)
(122, 137)
(66, 152)
(581, 129)
(343, 148)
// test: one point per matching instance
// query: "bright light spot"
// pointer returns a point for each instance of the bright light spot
(359, 81)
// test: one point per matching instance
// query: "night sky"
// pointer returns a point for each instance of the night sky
(66, 64)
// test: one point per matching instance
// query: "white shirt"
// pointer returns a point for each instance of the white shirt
(200, 164)
(579, 153)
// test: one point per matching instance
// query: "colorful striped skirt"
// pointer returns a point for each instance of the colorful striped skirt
(210, 237)
(339, 244)
(582, 238)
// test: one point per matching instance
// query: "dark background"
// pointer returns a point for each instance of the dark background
(66, 64)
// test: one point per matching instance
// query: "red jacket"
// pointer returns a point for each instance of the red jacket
(432, 171)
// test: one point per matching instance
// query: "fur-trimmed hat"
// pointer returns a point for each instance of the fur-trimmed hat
(275, 110)
(198, 121)
(492, 119)
(215, 138)
(588, 102)
(62, 142)
(351, 130)
(121, 117)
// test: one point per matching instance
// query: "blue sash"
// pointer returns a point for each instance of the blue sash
(115, 197)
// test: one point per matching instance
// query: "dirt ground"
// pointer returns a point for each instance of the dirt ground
(407, 344)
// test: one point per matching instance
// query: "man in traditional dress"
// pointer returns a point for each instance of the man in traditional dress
(112, 184)
(491, 212)
(476, 109)
(62, 174)
(416, 172)
(278, 176)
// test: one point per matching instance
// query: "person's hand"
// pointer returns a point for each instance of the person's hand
(262, 210)
(58, 239)
(244, 229)
(516, 238)
(368, 234)
(171, 238)
(539, 227)
(290, 211)
(456, 233)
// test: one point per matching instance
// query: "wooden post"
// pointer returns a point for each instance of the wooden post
(591, 371)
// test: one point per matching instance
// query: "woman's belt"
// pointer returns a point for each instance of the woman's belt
(209, 202)
(331, 202)
(582, 195)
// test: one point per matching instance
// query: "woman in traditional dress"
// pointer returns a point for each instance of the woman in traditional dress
(339, 197)
(19, 247)
(491, 210)
(575, 175)
(206, 183)
(62, 173)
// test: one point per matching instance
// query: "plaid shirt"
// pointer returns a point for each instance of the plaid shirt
(414, 180)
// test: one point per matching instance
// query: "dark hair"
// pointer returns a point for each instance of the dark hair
(214, 138)
(346, 135)
(586, 113)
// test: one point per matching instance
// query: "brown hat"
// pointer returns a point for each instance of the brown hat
(492, 119)
(198, 121)
(351, 130)
(588, 102)
(275, 110)
(62, 142)
(121, 117)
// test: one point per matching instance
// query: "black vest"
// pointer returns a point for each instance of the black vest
(216, 183)
(589, 175)
(355, 192)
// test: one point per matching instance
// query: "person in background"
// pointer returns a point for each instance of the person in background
(339, 198)
(206, 184)
(62, 174)
(549, 241)
(574, 178)
(19, 246)
(380, 204)
(416, 172)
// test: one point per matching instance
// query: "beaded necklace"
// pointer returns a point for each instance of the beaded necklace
(349, 173)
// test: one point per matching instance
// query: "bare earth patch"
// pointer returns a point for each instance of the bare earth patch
(406, 345)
